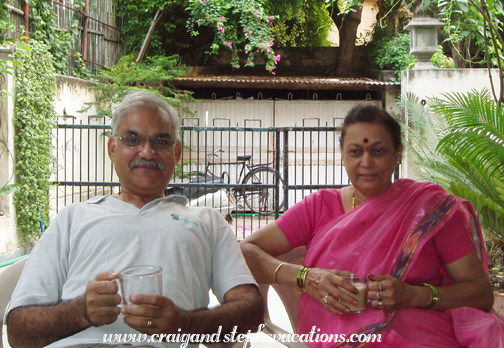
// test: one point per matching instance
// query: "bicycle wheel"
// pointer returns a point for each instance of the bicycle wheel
(263, 200)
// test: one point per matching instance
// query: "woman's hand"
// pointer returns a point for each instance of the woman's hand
(388, 292)
(324, 286)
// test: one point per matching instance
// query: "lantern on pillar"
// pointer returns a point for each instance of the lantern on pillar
(423, 36)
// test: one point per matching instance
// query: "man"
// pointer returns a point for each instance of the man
(57, 301)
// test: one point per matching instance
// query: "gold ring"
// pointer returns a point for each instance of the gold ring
(149, 322)
(380, 303)
(379, 284)
(325, 299)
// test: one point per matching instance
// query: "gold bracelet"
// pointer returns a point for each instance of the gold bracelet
(434, 293)
(301, 277)
(276, 271)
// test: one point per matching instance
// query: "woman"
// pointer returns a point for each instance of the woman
(421, 249)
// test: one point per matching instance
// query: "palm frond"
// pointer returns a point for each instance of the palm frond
(457, 142)
(476, 129)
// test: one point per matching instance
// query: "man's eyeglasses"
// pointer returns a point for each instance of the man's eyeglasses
(137, 142)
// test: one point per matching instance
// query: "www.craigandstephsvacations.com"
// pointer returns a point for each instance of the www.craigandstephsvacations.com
(185, 339)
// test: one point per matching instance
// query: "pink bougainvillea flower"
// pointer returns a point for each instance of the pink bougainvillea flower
(277, 58)
(268, 50)
(270, 17)
(246, 52)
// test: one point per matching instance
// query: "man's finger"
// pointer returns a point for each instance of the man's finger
(108, 275)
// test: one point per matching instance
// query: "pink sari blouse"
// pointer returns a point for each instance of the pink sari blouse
(384, 235)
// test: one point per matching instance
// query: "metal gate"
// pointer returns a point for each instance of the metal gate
(283, 164)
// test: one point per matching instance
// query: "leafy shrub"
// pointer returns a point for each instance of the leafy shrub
(34, 119)
(441, 61)
(393, 54)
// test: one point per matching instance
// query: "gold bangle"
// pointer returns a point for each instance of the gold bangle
(276, 271)
(301, 277)
(434, 293)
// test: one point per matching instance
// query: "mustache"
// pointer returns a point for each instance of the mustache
(147, 163)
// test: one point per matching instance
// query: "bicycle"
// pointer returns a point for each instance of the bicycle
(260, 200)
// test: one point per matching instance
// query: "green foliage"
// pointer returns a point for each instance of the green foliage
(80, 70)
(466, 28)
(490, 214)
(7, 189)
(239, 25)
(170, 35)
(6, 24)
(300, 23)
(34, 119)
(441, 61)
(393, 54)
(155, 74)
(44, 28)
(456, 142)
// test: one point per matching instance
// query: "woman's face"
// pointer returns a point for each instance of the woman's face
(369, 157)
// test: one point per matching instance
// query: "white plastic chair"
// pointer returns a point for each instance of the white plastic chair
(9, 277)
(289, 297)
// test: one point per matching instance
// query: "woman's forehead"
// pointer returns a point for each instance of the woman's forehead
(367, 133)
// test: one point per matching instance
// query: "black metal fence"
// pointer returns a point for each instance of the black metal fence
(251, 175)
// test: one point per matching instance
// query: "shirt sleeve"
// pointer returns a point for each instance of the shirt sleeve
(301, 221)
(229, 268)
(454, 241)
(44, 274)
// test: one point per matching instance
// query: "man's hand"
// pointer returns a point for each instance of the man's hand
(153, 314)
(156, 314)
(102, 300)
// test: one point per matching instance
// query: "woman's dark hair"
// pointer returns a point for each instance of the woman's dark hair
(372, 114)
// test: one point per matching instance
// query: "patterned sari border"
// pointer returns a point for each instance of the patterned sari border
(420, 231)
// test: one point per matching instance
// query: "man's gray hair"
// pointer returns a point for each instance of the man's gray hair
(150, 101)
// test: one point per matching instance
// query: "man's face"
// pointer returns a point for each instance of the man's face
(145, 170)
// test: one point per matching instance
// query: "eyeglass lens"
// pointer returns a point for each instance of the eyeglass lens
(159, 143)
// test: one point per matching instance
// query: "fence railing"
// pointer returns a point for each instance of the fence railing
(251, 175)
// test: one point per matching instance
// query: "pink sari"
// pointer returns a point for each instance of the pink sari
(384, 236)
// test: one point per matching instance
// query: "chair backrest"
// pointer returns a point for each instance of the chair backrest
(9, 277)
(289, 297)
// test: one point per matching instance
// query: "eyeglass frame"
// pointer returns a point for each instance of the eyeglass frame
(143, 140)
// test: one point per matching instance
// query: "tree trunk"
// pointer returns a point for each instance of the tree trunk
(347, 35)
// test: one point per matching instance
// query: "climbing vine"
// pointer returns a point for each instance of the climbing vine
(34, 119)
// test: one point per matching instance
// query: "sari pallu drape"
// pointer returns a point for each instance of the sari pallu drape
(384, 236)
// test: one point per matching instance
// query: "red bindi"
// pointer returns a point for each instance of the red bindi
(366, 149)
(365, 140)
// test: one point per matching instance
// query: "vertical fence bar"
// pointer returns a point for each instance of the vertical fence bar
(286, 167)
